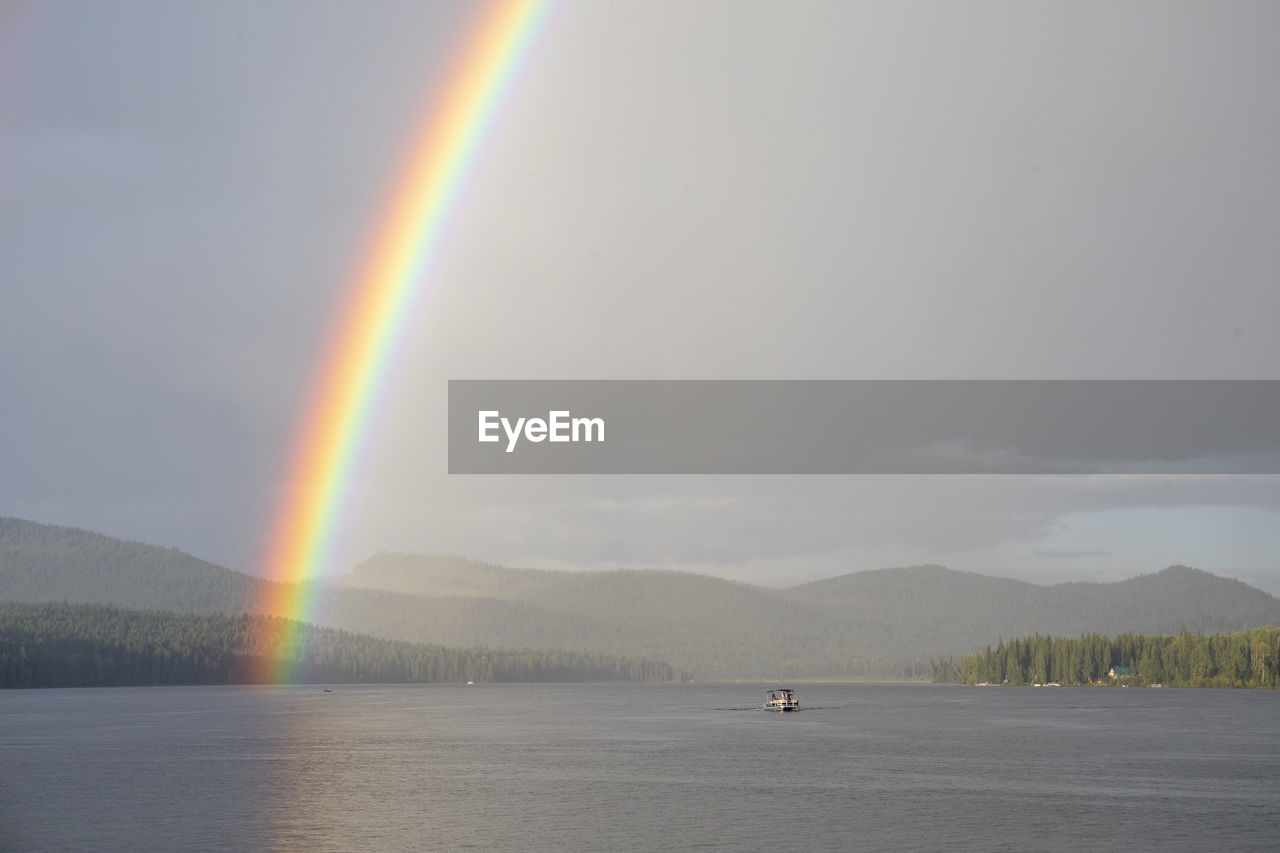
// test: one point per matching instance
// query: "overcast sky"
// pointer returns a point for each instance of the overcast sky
(671, 190)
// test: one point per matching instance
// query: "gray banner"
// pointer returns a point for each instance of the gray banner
(863, 427)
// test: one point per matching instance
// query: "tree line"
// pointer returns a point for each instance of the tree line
(90, 645)
(1244, 659)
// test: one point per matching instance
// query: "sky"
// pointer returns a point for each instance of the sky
(668, 190)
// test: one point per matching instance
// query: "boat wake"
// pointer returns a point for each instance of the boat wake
(795, 711)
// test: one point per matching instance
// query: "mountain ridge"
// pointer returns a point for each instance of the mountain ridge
(878, 623)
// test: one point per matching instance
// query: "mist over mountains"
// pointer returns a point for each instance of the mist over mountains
(872, 624)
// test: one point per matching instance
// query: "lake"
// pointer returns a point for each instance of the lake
(639, 767)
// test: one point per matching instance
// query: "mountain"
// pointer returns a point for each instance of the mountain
(888, 622)
(46, 562)
(970, 606)
(718, 628)
(875, 622)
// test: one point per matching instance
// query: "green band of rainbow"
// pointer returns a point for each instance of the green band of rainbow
(373, 315)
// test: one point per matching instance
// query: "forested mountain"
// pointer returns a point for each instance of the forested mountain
(45, 562)
(91, 645)
(886, 623)
(1243, 659)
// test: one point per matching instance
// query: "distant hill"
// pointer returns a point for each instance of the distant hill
(866, 623)
(885, 623)
(443, 576)
(46, 562)
(970, 605)
(717, 628)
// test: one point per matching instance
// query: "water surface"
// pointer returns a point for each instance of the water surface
(638, 767)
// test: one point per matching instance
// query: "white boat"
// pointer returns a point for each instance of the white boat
(782, 699)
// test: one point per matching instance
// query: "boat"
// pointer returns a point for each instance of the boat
(782, 699)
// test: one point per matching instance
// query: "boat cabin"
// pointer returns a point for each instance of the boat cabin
(782, 699)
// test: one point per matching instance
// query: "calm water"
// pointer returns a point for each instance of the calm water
(639, 767)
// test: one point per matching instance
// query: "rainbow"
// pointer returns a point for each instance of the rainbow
(372, 316)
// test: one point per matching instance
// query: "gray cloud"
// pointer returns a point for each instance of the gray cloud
(1069, 555)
